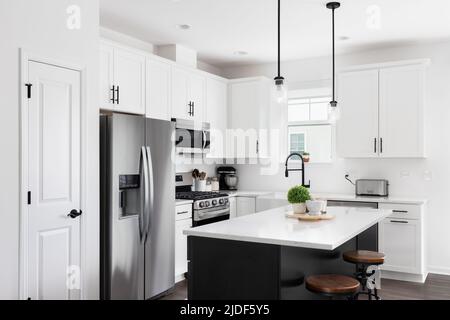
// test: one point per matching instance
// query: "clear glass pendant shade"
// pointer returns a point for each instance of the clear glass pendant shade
(280, 92)
(333, 112)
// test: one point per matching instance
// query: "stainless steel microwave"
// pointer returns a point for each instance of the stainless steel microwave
(192, 137)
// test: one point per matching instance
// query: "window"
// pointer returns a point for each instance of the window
(309, 130)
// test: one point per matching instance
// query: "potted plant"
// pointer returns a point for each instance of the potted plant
(297, 196)
(305, 156)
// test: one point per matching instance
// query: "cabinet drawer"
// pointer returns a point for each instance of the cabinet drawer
(403, 211)
(183, 212)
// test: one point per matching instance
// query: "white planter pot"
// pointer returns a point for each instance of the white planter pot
(299, 208)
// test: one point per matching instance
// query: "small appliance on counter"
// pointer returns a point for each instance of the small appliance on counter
(372, 187)
(228, 179)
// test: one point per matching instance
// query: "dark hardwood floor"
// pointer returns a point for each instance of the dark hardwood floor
(436, 287)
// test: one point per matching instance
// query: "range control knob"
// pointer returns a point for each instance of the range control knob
(221, 201)
(226, 201)
(214, 202)
(207, 204)
(201, 204)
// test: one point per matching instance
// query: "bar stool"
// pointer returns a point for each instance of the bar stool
(363, 259)
(333, 285)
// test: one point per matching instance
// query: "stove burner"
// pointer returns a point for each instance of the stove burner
(199, 195)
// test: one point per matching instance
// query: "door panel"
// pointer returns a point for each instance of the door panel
(158, 90)
(401, 111)
(358, 102)
(197, 92)
(180, 98)
(54, 182)
(129, 75)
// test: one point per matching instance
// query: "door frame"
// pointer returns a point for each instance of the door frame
(25, 58)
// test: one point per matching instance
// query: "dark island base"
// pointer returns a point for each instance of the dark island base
(237, 270)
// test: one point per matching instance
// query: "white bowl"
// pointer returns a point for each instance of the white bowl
(314, 207)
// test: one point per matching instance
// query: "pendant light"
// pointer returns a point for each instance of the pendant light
(280, 88)
(333, 110)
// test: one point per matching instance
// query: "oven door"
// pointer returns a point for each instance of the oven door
(207, 216)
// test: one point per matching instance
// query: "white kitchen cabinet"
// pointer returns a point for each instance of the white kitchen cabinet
(188, 94)
(183, 217)
(122, 76)
(249, 112)
(158, 89)
(382, 111)
(401, 239)
(216, 115)
(233, 209)
(402, 112)
(245, 206)
(357, 129)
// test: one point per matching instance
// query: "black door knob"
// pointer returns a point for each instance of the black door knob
(74, 213)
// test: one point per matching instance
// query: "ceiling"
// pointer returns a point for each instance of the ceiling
(219, 28)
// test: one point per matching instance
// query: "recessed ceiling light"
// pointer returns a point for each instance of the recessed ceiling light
(344, 38)
(240, 53)
(184, 26)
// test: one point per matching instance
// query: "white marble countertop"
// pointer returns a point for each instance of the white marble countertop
(179, 202)
(328, 196)
(273, 227)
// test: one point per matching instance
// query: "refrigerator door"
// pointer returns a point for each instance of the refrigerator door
(123, 223)
(160, 233)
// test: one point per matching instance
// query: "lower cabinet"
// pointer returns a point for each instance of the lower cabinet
(401, 239)
(245, 206)
(183, 221)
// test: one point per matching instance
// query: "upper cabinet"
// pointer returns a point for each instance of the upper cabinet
(249, 111)
(158, 85)
(188, 94)
(216, 115)
(122, 76)
(382, 112)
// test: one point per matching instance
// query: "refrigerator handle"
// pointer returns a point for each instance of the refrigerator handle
(143, 172)
(151, 193)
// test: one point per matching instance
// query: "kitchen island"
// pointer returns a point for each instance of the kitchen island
(267, 255)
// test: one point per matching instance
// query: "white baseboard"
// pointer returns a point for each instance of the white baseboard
(179, 278)
(439, 270)
(420, 278)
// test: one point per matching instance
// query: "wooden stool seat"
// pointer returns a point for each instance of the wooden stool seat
(364, 257)
(332, 284)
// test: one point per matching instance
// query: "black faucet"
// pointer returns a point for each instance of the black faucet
(286, 171)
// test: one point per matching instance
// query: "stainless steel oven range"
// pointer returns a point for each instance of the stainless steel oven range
(208, 207)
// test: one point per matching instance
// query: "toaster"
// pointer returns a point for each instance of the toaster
(372, 187)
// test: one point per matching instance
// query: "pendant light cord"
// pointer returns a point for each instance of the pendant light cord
(279, 36)
(334, 76)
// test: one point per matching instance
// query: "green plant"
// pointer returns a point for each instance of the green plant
(305, 154)
(298, 194)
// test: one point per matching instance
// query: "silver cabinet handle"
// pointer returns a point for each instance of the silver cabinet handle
(375, 145)
(257, 146)
(398, 221)
(381, 145)
(399, 211)
(183, 212)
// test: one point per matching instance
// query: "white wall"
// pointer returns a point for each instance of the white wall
(406, 176)
(39, 26)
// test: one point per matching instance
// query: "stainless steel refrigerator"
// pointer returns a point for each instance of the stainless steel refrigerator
(137, 207)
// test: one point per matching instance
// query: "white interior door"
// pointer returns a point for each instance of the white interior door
(357, 130)
(53, 239)
(401, 111)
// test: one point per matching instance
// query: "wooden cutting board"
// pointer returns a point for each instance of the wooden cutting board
(307, 217)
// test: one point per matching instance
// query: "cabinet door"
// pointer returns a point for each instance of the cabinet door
(181, 246)
(129, 78)
(158, 90)
(245, 118)
(357, 129)
(106, 76)
(180, 97)
(197, 95)
(245, 206)
(233, 208)
(401, 111)
(400, 241)
(216, 115)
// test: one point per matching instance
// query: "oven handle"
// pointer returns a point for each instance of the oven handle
(213, 213)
